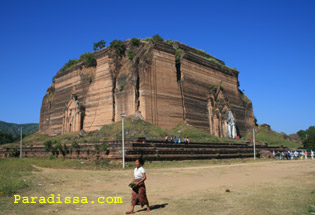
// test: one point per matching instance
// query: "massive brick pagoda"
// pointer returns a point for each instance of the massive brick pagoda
(166, 82)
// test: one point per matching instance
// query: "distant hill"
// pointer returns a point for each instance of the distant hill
(12, 128)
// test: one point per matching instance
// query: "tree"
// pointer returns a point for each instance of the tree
(99, 45)
(308, 137)
(76, 147)
(60, 149)
(302, 134)
(48, 145)
(6, 138)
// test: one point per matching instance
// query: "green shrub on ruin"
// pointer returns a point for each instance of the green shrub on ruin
(54, 150)
(75, 145)
(104, 147)
(59, 148)
(205, 53)
(216, 61)
(99, 45)
(213, 88)
(178, 54)
(148, 39)
(14, 152)
(118, 46)
(135, 42)
(48, 145)
(157, 38)
(244, 97)
(89, 79)
(96, 147)
(65, 148)
(69, 64)
(131, 54)
(169, 42)
(88, 59)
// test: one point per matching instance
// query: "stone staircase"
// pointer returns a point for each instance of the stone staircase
(158, 150)
(152, 150)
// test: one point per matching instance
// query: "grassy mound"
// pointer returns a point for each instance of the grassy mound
(36, 138)
(266, 135)
(135, 128)
(139, 128)
(195, 134)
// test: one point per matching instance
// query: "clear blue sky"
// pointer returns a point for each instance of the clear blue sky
(271, 43)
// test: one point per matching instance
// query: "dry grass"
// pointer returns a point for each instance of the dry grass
(285, 187)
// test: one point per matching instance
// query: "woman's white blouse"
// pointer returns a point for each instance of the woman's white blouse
(138, 173)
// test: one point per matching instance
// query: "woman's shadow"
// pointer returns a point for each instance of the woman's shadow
(154, 207)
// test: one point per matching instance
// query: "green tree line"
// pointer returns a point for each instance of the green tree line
(308, 137)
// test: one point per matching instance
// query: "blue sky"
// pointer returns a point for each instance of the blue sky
(271, 43)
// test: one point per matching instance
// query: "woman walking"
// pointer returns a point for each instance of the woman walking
(138, 196)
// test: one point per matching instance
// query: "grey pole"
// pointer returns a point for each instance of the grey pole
(254, 143)
(123, 115)
(21, 153)
(123, 142)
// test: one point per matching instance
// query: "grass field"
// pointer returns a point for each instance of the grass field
(13, 174)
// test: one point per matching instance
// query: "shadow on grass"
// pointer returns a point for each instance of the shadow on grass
(153, 207)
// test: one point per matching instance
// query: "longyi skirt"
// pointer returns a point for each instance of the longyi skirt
(139, 196)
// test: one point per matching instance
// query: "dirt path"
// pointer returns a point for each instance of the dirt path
(166, 187)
